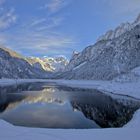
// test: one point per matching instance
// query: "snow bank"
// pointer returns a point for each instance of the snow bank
(122, 88)
(135, 122)
(136, 71)
(129, 132)
(6, 82)
(9, 132)
(77, 67)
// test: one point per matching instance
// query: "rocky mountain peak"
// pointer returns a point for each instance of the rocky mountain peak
(137, 21)
(50, 64)
(114, 54)
(122, 28)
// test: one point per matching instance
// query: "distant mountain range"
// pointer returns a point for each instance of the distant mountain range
(13, 65)
(115, 53)
(56, 64)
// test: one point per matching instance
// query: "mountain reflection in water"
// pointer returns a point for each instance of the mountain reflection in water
(48, 105)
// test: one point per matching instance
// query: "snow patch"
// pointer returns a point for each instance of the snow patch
(77, 67)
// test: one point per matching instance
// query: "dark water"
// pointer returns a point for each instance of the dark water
(48, 105)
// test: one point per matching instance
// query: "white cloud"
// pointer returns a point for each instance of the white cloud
(54, 5)
(124, 6)
(38, 21)
(44, 24)
(7, 18)
(39, 35)
(51, 23)
(41, 43)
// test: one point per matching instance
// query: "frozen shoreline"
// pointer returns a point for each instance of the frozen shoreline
(128, 132)
(122, 88)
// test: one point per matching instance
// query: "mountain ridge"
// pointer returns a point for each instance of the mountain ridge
(114, 54)
(14, 65)
(122, 28)
(107, 58)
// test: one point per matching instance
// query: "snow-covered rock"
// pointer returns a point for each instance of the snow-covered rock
(13, 65)
(39, 63)
(56, 64)
(136, 71)
(108, 58)
(131, 76)
(124, 27)
(117, 32)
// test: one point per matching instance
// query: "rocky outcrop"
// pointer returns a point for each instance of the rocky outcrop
(109, 57)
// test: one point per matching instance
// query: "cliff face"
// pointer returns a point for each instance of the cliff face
(109, 57)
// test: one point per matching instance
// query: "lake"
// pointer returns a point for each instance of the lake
(48, 105)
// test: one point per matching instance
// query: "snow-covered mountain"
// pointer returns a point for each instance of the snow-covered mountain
(124, 27)
(56, 64)
(13, 65)
(131, 76)
(115, 53)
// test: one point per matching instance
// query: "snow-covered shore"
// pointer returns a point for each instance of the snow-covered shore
(128, 132)
(7, 82)
(122, 88)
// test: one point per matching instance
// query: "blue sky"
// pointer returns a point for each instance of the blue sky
(58, 27)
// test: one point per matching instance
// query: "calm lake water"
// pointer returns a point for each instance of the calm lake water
(47, 105)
